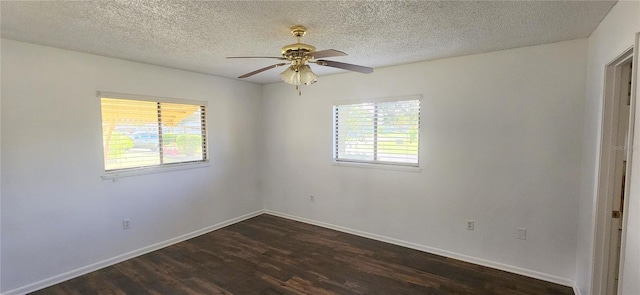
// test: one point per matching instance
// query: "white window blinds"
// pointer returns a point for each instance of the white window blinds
(140, 133)
(378, 132)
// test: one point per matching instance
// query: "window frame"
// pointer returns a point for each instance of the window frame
(387, 165)
(162, 167)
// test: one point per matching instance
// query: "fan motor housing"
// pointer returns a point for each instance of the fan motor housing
(296, 50)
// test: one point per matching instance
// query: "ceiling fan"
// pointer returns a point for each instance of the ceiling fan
(298, 55)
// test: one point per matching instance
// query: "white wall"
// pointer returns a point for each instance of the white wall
(501, 142)
(57, 213)
(614, 35)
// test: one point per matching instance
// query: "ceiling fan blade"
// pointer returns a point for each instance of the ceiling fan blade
(346, 66)
(325, 53)
(280, 58)
(261, 70)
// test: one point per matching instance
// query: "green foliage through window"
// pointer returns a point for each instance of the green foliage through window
(189, 143)
(120, 143)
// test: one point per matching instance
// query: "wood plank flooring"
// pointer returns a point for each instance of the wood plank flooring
(272, 255)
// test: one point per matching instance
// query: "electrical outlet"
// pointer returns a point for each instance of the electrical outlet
(470, 224)
(522, 234)
(312, 198)
(126, 224)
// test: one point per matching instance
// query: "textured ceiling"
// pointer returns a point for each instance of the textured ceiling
(198, 35)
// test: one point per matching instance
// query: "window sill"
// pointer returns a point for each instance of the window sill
(114, 175)
(377, 166)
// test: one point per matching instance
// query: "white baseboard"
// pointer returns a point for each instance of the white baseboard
(445, 253)
(576, 290)
(135, 253)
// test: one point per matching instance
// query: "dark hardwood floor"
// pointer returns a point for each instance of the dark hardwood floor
(272, 255)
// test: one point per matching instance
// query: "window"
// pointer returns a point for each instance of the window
(143, 132)
(377, 132)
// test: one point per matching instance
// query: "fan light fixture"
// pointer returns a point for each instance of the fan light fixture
(296, 75)
(307, 77)
(290, 76)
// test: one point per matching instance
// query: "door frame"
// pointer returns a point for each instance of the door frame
(610, 109)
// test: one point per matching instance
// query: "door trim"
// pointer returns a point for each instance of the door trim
(610, 108)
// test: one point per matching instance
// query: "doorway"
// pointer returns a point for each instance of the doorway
(614, 174)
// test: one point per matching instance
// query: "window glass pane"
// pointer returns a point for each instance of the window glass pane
(398, 131)
(182, 127)
(130, 133)
(355, 131)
